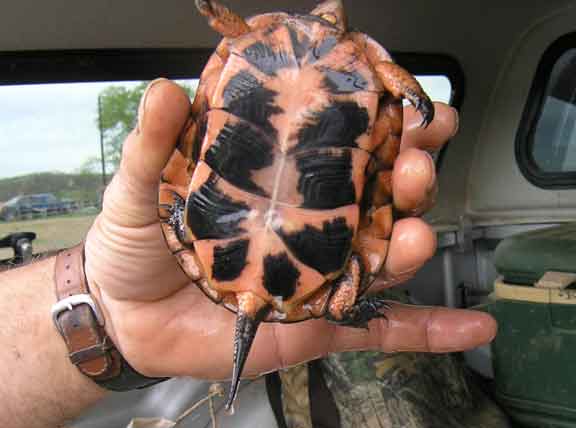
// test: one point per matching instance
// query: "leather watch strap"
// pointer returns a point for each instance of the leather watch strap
(80, 322)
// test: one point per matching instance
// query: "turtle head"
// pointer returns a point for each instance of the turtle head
(333, 12)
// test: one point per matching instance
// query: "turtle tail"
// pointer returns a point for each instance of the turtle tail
(251, 311)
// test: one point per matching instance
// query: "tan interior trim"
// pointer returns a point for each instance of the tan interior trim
(556, 280)
(525, 293)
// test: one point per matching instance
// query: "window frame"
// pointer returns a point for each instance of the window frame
(524, 144)
(100, 65)
(424, 64)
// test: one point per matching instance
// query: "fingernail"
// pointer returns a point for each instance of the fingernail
(432, 165)
(143, 101)
(456, 122)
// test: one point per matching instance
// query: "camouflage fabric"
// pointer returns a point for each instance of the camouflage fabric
(295, 398)
(408, 390)
(375, 390)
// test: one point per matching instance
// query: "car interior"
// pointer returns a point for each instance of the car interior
(505, 210)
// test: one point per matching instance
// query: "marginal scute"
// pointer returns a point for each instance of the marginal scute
(372, 250)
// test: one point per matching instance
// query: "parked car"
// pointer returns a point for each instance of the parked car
(27, 206)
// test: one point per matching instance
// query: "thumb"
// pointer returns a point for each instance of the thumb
(133, 193)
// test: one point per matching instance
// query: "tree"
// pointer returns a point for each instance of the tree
(118, 116)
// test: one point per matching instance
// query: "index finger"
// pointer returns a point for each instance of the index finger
(408, 328)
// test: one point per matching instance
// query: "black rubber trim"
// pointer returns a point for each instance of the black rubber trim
(437, 65)
(323, 409)
(21, 67)
(274, 390)
(100, 65)
(524, 144)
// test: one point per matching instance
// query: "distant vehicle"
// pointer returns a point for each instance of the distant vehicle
(29, 206)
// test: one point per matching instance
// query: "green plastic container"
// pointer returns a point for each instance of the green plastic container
(534, 353)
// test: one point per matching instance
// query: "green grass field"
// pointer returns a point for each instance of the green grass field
(52, 232)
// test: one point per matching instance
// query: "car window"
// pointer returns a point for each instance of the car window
(546, 143)
(52, 137)
(438, 87)
(554, 145)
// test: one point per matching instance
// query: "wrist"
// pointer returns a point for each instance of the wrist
(40, 387)
(80, 320)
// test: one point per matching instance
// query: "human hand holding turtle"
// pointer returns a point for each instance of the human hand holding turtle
(165, 326)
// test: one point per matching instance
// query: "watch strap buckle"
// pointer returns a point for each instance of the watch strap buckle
(70, 302)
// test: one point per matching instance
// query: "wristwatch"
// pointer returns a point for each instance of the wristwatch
(80, 321)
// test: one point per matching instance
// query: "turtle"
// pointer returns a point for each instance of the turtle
(276, 201)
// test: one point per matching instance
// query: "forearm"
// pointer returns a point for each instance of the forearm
(39, 386)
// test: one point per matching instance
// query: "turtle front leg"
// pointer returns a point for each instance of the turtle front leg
(399, 82)
(345, 308)
(402, 84)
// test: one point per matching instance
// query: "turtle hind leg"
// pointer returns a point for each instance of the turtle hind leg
(365, 309)
(344, 307)
(222, 19)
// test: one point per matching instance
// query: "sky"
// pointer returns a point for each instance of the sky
(53, 127)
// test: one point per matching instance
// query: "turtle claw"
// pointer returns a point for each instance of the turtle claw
(423, 105)
(426, 108)
(365, 309)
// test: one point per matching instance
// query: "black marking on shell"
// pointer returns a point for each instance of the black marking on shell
(240, 86)
(338, 125)
(325, 178)
(230, 260)
(245, 97)
(280, 276)
(326, 249)
(210, 214)
(300, 43)
(267, 60)
(344, 82)
(323, 48)
(238, 150)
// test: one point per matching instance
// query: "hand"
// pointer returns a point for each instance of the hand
(165, 326)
